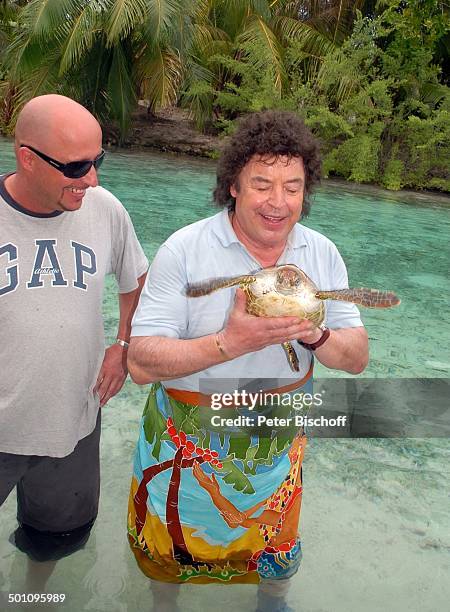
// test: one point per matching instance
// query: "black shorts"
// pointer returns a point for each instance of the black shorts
(57, 498)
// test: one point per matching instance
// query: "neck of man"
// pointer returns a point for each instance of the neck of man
(266, 256)
(20, 192)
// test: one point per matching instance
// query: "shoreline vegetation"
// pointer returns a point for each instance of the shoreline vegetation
(370, 78)
(172, 131)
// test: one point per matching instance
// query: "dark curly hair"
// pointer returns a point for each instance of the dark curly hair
(268, 133)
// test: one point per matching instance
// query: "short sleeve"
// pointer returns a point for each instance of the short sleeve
(128, 258)
(340, 314)
(162, 308)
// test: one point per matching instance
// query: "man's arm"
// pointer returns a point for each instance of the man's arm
(154, 358)
(345, 349)
(113, 371)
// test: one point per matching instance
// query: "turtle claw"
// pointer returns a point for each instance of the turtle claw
(291, 356)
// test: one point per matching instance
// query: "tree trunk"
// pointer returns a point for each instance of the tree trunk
(180, 551)
(141, 496)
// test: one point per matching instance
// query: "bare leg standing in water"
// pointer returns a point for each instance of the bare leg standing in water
(165, 595)
(38, 575)
(272, 596)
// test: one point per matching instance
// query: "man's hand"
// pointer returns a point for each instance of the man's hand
(112, 374)
(245, 333)
(310, 332)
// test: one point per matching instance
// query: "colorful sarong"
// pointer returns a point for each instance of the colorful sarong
(214, 506)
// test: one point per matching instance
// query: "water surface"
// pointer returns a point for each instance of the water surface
(375, 516)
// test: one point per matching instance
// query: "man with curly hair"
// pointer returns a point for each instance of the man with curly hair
(228, 514)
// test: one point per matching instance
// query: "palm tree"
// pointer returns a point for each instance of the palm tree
(255, 35)
(105, 53)
(181, 553)
(108, 54)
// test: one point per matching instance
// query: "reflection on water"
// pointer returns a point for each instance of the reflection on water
(375, 515)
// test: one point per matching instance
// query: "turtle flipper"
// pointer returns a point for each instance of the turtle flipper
(208, 286)
(291, 356)
(370, 298)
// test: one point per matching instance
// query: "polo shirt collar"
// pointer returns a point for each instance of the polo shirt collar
(297, 238)
(224, 230)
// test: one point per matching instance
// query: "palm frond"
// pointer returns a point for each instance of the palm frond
(122, 16)
(81, 33)
(198, 94)
(121, 88)
(289, 8)
(41, 80)
(302, 34)
(205, 36)
(340, 77)
(202, 10)
(230, 15)
(332, 18)
(87, 80)
(160, 77)
(25, 54)
(259, 34)
(43, 18)
(261, 8)
(432, 93)
(161, 18)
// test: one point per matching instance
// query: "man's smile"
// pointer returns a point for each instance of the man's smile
(272, 220)
(76, 190)
(76, 193)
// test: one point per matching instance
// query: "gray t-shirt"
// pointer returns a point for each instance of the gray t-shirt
(52, 272)
(210, 248)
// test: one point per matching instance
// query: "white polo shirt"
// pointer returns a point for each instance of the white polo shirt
(210, 248)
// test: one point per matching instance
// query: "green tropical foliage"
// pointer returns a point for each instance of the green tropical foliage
(369, 77)
(386, 90)
(377, 101)
(104, 53)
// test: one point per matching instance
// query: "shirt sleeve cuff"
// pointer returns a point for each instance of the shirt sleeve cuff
(149, 330)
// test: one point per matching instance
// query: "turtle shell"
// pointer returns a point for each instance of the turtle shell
(284, 291)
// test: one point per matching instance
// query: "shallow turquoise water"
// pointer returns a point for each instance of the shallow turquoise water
(386, 243)
(375, 517)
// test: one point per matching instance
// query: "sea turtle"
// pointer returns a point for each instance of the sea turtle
(287, 291)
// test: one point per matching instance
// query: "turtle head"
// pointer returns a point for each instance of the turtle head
(288, 279)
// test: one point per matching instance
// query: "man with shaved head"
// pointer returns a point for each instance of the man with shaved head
(60, 235)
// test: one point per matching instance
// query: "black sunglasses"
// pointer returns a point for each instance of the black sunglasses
(75, 169)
